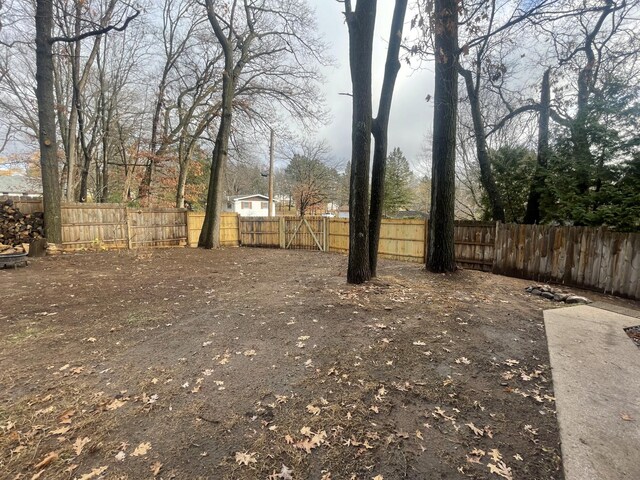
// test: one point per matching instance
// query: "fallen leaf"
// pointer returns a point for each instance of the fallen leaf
(313, 410)
(49, 458)
(79, 444)
(285, 473)
(141, 449)
(245, 458)
(501, 469)
(288, 439)
(378, 477)
(96, 472)
(115, 404)
(495, 454)
(306, 445)
(120, 456)
(60, 431)
(155, 468)
(626, 417)
(249, 353)
(479, 432)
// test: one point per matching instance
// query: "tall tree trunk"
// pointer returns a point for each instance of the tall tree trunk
(441, 252)
(486, 174)
(185, 150)
(144, 190)
(532, 214)
(72, 156)
(361, 24)
(47, 122)
(210, 233)
(86, 153)
(380, 128)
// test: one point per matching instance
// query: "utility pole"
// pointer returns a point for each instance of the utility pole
(271, 174)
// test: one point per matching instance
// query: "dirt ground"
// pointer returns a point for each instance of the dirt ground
(255, 364)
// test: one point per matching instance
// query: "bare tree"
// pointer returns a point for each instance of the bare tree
(380, 128)
(311, 179)
(269, 50)
(46, 109)
(364, 218)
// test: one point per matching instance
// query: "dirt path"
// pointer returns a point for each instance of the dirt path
(189, 364)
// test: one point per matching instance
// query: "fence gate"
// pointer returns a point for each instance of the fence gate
(306, 233)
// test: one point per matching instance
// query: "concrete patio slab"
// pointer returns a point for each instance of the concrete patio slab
(596, 379)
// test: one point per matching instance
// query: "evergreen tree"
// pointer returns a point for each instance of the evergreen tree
(513, 169)
(398, 194)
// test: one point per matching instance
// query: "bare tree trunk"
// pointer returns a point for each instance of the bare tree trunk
(47, 122)
(210, 234)
(72, 131)
(380, 128)
(185, 150)
(271, 159)
(532, 214)
(441, 252)
(144, 190)
(361, 24)
(486, 174)
(86, 164)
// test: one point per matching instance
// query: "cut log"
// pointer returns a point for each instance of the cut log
(17, 228)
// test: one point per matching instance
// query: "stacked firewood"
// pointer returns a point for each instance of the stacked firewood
(17, 229)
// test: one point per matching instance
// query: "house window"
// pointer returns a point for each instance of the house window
(264, 205)
(245, 205)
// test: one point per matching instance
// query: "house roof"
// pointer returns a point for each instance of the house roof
(244, 197)
(19, 185)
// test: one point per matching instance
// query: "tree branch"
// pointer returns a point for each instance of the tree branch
(94, 33)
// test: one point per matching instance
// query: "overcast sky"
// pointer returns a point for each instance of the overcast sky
(411, 114)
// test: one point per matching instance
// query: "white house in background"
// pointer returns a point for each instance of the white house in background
(250, 205)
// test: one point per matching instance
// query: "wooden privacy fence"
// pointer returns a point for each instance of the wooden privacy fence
(584, 257)
(229, 228)
(592, 258)
(116, 226)
(406, 239)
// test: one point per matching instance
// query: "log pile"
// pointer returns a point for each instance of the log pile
(17, 229)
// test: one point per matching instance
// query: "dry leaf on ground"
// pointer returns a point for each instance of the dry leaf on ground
(96, 472)
(155, 468)
(49, 458)
(79, 444)
(501, 469)
(141, 449)
(245, 458)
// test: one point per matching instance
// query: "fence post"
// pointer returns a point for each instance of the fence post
(281, 232)
(325, 234)
(494, 262)
(128, 224)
